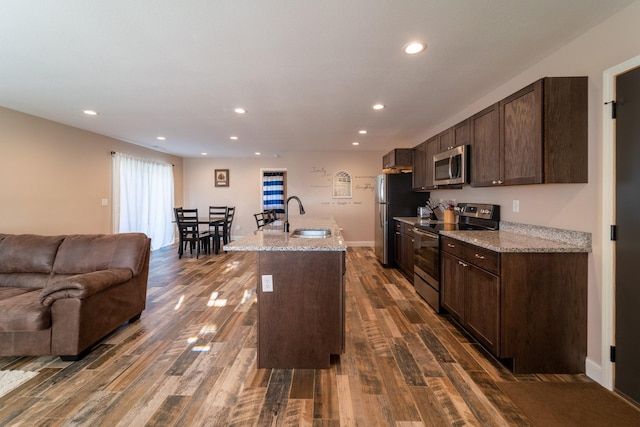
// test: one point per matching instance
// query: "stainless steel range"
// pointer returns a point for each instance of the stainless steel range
(469, 216)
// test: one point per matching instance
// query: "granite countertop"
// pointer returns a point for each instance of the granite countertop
(273, 238)
(505, 241)
(515, 237)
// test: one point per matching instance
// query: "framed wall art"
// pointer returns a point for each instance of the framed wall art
(222, 177)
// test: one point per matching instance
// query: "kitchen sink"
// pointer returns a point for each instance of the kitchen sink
(311, 233)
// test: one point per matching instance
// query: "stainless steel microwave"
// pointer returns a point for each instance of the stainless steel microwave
(451, 166)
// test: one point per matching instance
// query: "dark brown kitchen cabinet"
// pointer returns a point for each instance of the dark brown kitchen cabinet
(452, 295)
(485, 147)
(301, 320)
(399, 158)
(404, 248)
(541, 138)
(419, 173)
(469, 293)
(462, 133)
(446, 140)
(527, 308)
(482, 306)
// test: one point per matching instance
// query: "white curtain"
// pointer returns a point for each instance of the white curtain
(143, 198)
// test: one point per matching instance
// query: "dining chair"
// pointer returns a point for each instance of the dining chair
(273, 215)
(261, 219)
(228, 224)
(217, 215)
(189, 229)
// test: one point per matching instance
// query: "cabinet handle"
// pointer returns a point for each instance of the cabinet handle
(462, 263)
(498, 182)
(479, 256)
(450, 245)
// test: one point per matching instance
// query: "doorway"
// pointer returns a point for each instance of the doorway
(627, 251)
(274, 190)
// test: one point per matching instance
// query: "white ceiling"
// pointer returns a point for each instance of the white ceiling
(308, 72)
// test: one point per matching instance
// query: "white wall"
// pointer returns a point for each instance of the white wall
(569, 206)
(308, 177)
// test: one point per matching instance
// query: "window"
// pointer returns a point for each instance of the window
(342, 185)
(143, 198)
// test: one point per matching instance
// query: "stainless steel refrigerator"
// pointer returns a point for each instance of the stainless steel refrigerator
(394, 197)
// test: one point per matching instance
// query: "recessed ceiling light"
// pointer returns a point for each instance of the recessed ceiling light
(233, 137)
(240, 110)
(362, 132)
(414, 48)
(378, 106)
(90, 113)
(203, 154)
(257, 153)
(160, 138)
(355, 143)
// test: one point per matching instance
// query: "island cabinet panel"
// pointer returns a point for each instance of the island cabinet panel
(528, 309)
(301, 322)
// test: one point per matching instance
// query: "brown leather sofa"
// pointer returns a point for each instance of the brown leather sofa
(60, 295)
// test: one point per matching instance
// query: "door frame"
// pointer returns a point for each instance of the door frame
(608, 218)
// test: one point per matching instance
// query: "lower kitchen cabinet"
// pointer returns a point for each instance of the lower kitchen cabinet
(404, 248)
(528, 309)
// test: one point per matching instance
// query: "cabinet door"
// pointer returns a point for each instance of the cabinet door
(408, 253)
(452, 285)
(462, 133)
(482, 306)
(433, 148)
(419, 174)
(446, 139)
(485, 152)
(397, 244)
(521, 130)
(386, 161)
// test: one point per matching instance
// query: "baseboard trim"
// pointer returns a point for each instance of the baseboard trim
(360, 243)
(594, 371)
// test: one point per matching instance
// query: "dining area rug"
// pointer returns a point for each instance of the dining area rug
(550, 404)
(10, 380)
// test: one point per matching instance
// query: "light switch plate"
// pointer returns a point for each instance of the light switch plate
(267, 283)
(516, 205)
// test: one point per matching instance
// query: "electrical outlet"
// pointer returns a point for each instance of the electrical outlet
(105, 202)
(516, 205)
(267, 283)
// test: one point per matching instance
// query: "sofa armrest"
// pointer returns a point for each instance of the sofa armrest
(84, 285)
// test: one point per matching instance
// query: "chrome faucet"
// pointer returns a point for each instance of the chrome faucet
(286, 212)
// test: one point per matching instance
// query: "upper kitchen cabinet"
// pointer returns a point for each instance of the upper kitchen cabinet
(445, 140)
(462, 133)
(537, 135)
(423, 164)
(399, 158)
(485, 147)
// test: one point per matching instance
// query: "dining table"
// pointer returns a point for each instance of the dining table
(212, 222)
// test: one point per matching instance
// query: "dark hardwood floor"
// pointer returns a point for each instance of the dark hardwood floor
(191, 361)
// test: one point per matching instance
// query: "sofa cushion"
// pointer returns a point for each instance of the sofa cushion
(28, 253)
(20, 310)
(80, 254)
(24, 280)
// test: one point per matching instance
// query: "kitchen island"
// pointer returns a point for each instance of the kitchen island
(300, 289)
